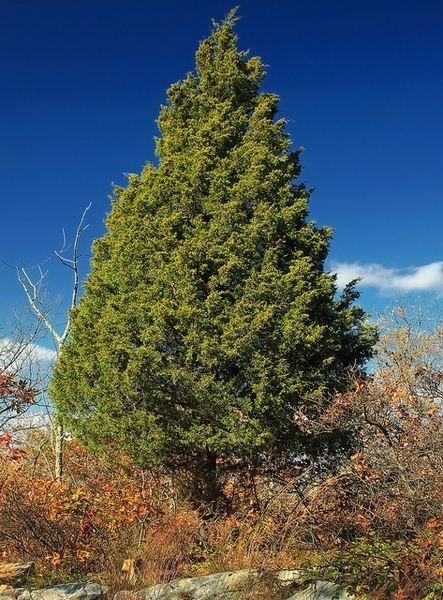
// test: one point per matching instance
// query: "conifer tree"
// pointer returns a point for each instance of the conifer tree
(208, 315)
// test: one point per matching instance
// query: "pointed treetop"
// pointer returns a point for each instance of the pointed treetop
(229, 21)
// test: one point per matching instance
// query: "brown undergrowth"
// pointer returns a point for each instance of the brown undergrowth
(367, 513)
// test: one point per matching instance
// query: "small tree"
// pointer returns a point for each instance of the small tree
(20, 382)
(208, 315)
(16, 396)
(36, 301)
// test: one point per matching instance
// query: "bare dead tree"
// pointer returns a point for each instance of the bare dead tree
(36, 300)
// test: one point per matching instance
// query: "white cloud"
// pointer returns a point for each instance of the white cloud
(43, 354)
(425, 278)
(22, 354)
(22, 423)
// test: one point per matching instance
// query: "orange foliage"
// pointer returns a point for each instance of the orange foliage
(17, 391)
(72, 526)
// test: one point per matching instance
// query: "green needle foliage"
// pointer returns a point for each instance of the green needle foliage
(208, 315)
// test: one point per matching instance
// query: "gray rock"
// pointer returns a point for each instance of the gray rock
(222, 586)
(69, 591)
(225, 586)
(322, 590)
(287, 577)
(230, 586)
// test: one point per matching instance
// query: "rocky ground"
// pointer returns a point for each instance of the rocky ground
(231, 585)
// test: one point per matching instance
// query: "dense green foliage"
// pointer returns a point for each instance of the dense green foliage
(208, 314)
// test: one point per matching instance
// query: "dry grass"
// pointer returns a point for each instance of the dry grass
(13, 573)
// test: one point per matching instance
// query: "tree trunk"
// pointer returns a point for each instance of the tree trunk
(210, 489)
(205, 490)
(58, 433)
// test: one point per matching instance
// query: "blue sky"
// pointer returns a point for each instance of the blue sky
(360, 84)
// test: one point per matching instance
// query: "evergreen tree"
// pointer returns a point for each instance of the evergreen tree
(208, 315)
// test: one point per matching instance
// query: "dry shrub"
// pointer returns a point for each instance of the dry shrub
(73, 527)
(256, 540)
(172, 544)
(382, 507)
(186, 544)
(393, 483)
(369, 513)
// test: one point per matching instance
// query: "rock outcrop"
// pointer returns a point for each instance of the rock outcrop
(232, 584)
(69, 591)
(322, 590)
